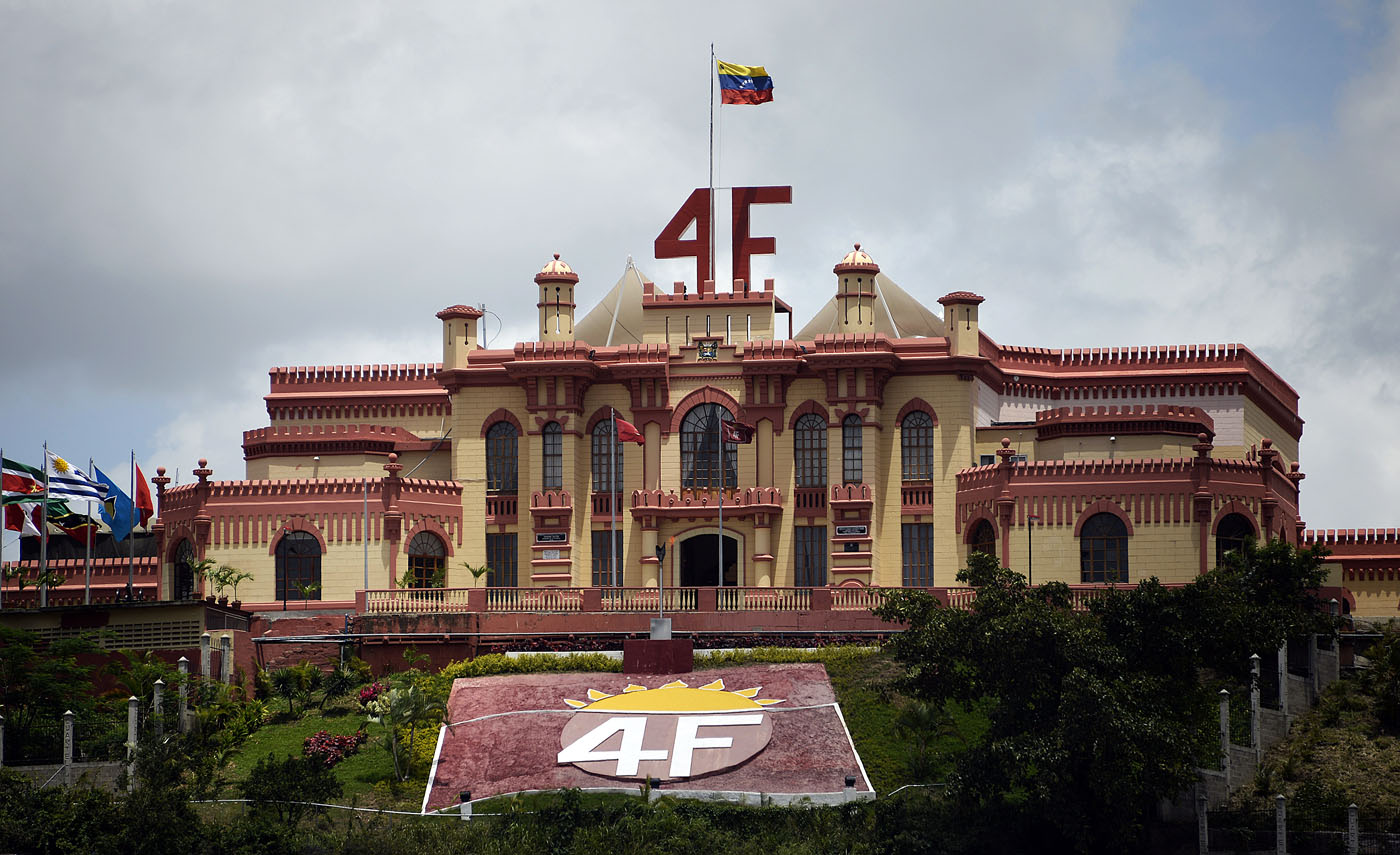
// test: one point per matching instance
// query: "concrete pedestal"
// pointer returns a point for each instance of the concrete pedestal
(657, 656)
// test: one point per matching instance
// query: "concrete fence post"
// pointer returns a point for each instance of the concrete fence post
(1353, 829)
(2, 742)
(204, 666)
(1225, 735)
(183, 702)
(133, 713)
(158, 706)
(1280, 826)
(68, 748)
(226, 659)
(1202, 825)
(1254, 707)
(1283, 677)
(465, 805)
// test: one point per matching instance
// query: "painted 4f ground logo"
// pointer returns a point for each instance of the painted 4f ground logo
(666, 733)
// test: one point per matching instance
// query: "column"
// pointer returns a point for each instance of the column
(183, 706)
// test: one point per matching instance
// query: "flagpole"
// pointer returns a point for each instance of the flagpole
(87, 551)
(364, 534)
(20, 508)
(44, 537)
(713, 73)
(612, 497)
(131, 551)
(720, 424)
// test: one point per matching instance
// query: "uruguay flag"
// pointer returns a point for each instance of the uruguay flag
(118, 511)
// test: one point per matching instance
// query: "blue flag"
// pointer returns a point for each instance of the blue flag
(117, 509)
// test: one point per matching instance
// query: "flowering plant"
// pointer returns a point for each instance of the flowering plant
(333, 749)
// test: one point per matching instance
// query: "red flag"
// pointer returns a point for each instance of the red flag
(736, 432)
(24, 517)
(143, 497)
(627, 432)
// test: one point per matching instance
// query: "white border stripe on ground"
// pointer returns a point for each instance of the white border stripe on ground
(851, 742)
(432, 773)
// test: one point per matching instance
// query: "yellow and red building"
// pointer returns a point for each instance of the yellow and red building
(890, 440)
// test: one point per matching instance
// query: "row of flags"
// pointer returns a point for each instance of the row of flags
(29, 504)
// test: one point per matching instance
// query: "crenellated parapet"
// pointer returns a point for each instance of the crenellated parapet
(355, 392)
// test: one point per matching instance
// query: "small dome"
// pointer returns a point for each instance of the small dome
(556, 271)
(856, 261)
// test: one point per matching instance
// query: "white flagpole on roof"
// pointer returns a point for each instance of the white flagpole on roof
(87, 549)
(44, 537)
(719, 419)
(131, 550)
(20, 508)
(714, 72)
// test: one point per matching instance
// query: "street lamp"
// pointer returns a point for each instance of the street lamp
(1030, 552)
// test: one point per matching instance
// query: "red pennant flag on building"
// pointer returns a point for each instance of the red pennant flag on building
(144, 504)
(736, 432)
(627, 432)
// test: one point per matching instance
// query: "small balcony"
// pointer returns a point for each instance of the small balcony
(809, 501)
(916, 497)
(605, 505)
(502, 508)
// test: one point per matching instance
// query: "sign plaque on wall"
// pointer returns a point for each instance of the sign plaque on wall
(852, 530)
(551, 537)
(551, 554)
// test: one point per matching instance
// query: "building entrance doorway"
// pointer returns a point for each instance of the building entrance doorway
(700, 561)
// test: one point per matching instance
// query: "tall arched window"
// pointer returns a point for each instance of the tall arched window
(553, 437)
(809, 450)
(607, 457)
(700, 449)
(185, 560)
(852, 449)
(916, 443)
(983, 539)
(1231, 534)
(1103, 549)
(298, 566)
(502, 468)
(427, 561)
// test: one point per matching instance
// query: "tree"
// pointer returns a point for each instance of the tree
(1093, 716)
(404, 707)
(280, 789)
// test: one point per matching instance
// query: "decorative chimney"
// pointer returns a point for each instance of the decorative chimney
(556, 280)
(855, 292)
(459, 335)
(960, 320)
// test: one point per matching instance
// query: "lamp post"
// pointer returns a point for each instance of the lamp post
(1030, 551)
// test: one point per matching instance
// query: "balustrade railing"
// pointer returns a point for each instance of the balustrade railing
(809, 501)
(534, 600)
(764, 599)
(502, 508)
(916, 496)
(647, 599)
(604, 503)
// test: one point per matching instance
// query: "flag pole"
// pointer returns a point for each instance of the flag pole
(612, 498)
(20, 508)
(44, 537)
(364, 533)
(711, 248)
(719, 419)
(131, 551)
(87, 551)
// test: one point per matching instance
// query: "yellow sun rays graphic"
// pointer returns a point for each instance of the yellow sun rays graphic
(61, 465)
(676, 696)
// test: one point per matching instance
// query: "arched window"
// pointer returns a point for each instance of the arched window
(298, 566)
(427, 561)
(553, 456)
(1231, 534)
(916, 442)
(700, 449)
(502, 469)
(983, 539)
(607, 457)
(852, 445)
(1103, 550)
(809, 450)
(184, 570)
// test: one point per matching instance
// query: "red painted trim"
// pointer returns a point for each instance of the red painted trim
(297, 523)
(705, 395)
(913, 405)
(1233, 507)
(1103, 506)
(501, 415)
(430, 525)
(809, 407)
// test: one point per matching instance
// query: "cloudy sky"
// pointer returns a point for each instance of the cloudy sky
(192, 193)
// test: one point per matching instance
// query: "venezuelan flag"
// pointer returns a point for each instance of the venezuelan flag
(744, 84)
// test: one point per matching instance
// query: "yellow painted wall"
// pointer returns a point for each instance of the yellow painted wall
(439, 467)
